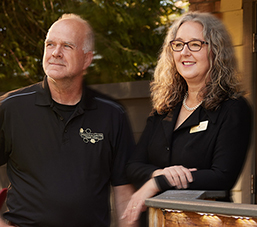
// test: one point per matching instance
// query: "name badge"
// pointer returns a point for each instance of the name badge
(198, 128)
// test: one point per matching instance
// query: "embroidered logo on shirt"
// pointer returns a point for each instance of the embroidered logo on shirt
(88, 136)
(201, 127)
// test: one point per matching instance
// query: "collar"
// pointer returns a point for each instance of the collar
(44, 98)
(169, 120)
(213, 115)
(195, 117)
(43, 95)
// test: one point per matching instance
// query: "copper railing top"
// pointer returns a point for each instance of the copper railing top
(198, 201)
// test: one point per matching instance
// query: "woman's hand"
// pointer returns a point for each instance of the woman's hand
(178, 176)
(137, 202)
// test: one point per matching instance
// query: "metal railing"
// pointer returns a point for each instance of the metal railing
(198, 208)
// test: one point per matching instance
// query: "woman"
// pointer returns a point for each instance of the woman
(199, 131)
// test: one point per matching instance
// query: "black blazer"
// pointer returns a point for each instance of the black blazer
(214, 142)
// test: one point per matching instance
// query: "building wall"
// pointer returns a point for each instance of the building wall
(212, 6)
(232, 16)
(231, 13)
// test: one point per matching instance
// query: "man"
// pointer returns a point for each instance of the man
(64, 144)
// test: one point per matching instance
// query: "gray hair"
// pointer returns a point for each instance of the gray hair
(89, 33)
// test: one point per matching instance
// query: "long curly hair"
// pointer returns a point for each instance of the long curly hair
(169, 87)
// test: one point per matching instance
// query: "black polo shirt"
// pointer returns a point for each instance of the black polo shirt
(60, 172)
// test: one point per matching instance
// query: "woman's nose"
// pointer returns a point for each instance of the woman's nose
(185, 50)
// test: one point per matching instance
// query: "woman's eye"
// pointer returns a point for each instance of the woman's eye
(195, 44)
(179, 44)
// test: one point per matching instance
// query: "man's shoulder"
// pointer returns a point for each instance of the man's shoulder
(20, 93)
(104, 100)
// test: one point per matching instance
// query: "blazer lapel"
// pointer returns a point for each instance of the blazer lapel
(169, 123)
(192, 120)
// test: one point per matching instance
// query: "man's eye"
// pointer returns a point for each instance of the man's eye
(49, 44)
(68, 46)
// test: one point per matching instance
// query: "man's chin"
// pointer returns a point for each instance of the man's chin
(55, 76)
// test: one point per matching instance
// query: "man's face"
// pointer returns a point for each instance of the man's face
(64, 57)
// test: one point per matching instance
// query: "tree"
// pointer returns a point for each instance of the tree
(23, 28)
(128, 35)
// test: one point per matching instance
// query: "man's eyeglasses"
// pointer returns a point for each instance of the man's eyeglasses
(193, 45)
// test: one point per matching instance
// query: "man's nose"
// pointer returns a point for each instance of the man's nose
(57, 53)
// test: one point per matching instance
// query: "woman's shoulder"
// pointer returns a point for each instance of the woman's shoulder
(155, 115)
(241, 105)
(238, 102)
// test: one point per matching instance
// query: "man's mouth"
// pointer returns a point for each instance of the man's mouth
(56, 63)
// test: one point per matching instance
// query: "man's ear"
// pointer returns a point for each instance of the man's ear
(88, 59)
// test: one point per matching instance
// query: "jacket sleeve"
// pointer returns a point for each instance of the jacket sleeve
(229, 153)
(227, 156)
(230, 149)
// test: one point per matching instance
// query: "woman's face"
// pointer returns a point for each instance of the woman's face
(192, 66)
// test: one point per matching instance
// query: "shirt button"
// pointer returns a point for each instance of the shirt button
(65, 130)
(167, 148)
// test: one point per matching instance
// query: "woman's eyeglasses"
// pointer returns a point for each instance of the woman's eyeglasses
(193, 45)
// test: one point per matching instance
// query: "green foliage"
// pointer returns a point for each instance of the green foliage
(129, 35)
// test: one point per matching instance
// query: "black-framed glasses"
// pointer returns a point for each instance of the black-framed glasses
(193, 45)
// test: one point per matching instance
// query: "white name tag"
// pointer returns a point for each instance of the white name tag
(198, 128)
